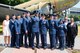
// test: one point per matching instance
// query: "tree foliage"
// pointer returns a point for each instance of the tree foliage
(76, 18)
(12, 2)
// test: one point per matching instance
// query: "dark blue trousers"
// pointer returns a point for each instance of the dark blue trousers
(21, 38)
(17, 40)
(29, 37)
(52, 40)
(13, 39)
(37, 39)
(62, 41)
(44, 40)
(25, 40)
(57, 38)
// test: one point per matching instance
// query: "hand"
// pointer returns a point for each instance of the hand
(26, 32)
(17, 33)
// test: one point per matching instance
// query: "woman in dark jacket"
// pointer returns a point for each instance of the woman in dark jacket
(72, 33)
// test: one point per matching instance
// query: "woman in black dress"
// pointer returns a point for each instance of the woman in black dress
(71, 33)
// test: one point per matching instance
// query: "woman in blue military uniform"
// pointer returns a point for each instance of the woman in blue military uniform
(52, 32)
(12, 29)
(18, 30)
(62, 28)
(35, 29)
(43, 31)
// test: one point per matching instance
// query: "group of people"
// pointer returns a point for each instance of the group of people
(62, 32)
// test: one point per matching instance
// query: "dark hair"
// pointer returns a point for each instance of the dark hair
(27, 12)
(24, 13)
(36, 12)
(13, 15)
(43, 15)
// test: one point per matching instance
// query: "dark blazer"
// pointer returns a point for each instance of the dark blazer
(72, 30)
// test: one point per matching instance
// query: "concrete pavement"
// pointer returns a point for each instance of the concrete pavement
(29, 50)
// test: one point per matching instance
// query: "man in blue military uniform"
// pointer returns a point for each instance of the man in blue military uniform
(22, 28)
(12, 29)
(62, 28)
(43, 31)
(27, 27)
(18, 31)
(35, 29)
(57, 32)
(52, 32)
(66, 21)
(26, 31)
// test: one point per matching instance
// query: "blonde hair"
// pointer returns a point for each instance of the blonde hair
(7, 16)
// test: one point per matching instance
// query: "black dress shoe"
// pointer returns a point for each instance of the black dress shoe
(26, 47)
(18, 47)
(45, 47)
(52, 48)
(38, 47)
(33, 48)
(61, 48)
